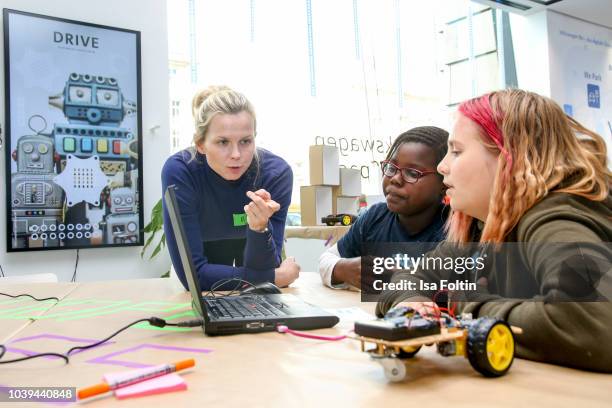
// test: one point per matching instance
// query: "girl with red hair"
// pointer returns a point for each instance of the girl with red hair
(518, 170)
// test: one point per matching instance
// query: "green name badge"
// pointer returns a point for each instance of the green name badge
(240, 220)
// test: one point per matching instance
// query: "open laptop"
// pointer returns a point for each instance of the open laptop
(245, 313)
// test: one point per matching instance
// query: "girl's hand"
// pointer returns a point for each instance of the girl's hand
(423, 308)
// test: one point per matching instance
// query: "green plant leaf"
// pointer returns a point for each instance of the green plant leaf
(157, 219)
(147, 243)
(157, 249)
(156, 224)
(160, 245)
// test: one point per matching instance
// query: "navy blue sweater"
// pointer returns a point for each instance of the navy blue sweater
(212, 209)
(378, 224)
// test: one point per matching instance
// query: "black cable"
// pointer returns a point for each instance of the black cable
(106, 339)
(3, 350)
(2, 271)
(240, 283)
(30, 296)
(222, 282)
(15, 360)
(153, 321)
(76, 264)
(158, 322)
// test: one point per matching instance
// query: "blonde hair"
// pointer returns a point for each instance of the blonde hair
(540, 150)
(212, 101)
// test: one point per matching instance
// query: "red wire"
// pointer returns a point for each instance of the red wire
(452, 309)
(285, 329)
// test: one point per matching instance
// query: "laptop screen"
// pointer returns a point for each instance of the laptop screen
(184, 251)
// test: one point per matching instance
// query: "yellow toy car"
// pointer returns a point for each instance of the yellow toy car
(344, 219)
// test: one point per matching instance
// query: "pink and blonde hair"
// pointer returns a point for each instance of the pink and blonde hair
(540, 150)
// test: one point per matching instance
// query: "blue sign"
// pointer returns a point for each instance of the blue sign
(593, 95)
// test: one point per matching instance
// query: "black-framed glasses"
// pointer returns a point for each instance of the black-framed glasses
(409, 175)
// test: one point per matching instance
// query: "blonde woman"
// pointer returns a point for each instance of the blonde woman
(232, 195)
(519, 170)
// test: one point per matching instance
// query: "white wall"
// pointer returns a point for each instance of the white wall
(148, 17)
(557, 56)
(530, 40)
(581, 55)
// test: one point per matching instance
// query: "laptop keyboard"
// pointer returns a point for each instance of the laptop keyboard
(243, 306)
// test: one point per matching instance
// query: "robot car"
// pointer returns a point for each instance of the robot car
(487, 343)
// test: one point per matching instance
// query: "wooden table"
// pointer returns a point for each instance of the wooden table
(267, 369)
(317, 232)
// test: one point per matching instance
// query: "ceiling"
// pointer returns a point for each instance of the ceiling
(594, 11)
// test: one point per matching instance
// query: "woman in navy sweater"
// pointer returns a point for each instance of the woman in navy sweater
(233, 197)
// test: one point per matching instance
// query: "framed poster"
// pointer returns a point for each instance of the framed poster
(74, 146)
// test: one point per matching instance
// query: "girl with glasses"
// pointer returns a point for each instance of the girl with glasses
(413, 210)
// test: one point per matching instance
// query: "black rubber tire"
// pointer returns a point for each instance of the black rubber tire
(478, 333)
(405, 355)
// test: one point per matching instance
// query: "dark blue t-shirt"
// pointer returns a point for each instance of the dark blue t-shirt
(378, 224)
(212, 210)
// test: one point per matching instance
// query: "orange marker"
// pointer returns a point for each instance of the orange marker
(157, 371)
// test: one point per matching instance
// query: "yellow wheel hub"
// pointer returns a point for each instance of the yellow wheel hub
(500, 347)
(346, 220)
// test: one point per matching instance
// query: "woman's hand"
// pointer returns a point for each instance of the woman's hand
(260, 209)
(286, 273)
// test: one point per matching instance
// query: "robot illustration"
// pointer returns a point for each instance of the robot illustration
(95, 108)
(76, 186)
(36, 199)
(122, 222)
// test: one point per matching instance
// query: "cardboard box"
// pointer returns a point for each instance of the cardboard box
(350, 182)
(345, 205)
(315, 203)
(324, 165)
(342, 204)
